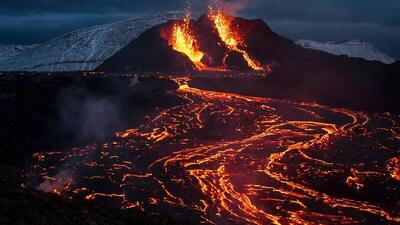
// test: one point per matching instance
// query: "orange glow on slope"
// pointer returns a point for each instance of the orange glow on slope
(182, 40)
(231, 38)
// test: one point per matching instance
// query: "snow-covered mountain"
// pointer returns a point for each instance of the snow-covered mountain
(11, 50)
(84, 49)
(354, 49)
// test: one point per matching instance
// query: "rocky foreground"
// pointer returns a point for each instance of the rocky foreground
(33, 118)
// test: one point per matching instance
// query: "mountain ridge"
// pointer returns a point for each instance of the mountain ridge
(350, 48)
(82, 49)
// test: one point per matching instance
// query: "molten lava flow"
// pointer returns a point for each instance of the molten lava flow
(231, 38)
(221, 158)
(182, 40)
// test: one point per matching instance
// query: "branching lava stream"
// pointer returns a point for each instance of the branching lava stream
(223, 158)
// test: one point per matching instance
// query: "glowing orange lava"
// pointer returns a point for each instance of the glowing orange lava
(231, 38)
(183, 40)
(223, 158)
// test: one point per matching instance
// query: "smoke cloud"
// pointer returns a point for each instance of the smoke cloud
(230, 6)
(233, 6)
(58, 183)
(87, 116)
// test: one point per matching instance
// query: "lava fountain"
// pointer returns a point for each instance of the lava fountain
(184, 41)
(182, 38)
(231, 38)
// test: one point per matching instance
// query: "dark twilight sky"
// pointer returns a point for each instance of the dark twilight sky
(375, 21)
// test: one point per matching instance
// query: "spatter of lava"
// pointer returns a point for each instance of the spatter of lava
(232, 39)
(183, 40)
(231, 159)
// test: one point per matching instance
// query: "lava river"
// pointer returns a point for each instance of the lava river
(223, 158)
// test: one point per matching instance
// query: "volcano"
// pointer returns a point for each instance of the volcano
(294, 72)
(152, 51)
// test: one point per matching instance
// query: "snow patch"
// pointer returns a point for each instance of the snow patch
(354, 49)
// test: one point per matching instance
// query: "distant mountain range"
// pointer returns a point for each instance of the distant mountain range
(87, 48)
(83, 49)
(353, 48)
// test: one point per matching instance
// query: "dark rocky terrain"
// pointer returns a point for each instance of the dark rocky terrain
(40, 112)
(178, 141)
(26, 206)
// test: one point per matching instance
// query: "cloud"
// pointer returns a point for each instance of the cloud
(326, 10)
(299, 10)
(38, 28)
(27, 7)
(230, 6)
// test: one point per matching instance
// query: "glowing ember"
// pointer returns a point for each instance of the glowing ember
(231, 38)
(182, 40)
